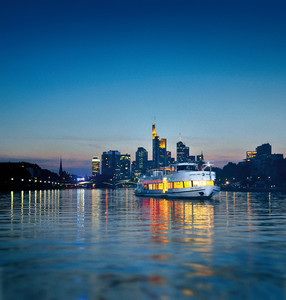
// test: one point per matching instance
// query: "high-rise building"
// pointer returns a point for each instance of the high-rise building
(192, 159)
(264, 149)
(95, 166)
(110, 162)
(124, 167)
(250, 155)
(141, 160)
(183, 152)
(159, 150)
(163, 153)
(156, 145)
(170, 159)
(115, 165)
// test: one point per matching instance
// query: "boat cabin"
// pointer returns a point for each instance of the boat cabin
(184, 167)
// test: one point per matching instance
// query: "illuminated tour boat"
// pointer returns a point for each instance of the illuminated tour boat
(182, 180)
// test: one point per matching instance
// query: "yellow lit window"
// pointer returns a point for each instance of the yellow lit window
(202, 182)
(196, 183)
(187, 183)
(178, 185)
(150, 187)
(160, 186)
(170, 185)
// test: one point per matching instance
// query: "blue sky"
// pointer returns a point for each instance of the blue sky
(81, 77)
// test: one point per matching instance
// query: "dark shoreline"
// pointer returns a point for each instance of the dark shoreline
(224, 189)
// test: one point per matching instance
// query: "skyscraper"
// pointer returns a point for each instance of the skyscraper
(141, 160)
(264, 149)
(156, 145)
(183, 152)
(159, 150)
(170, 159)
(163, 153)
(115, 165)
(110, 163)
(124, 167)
(95, 166)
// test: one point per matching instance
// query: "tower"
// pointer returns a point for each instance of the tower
(156, 147)
(110, 163)
(61, 167)
(141, 160)
(183, 152)
(163, 153)
(95, 166)
(159, 150)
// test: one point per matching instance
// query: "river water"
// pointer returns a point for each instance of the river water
(110, 244)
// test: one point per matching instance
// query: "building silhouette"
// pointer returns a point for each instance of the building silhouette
(183, 152)
(110, 163)
(159, 149)
(141, 160)
(124, 167)
(115, 166)
(170, 159)
(264, 149)
(95, 166)
(61, 167)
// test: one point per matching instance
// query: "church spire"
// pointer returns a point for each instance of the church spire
(61, 166)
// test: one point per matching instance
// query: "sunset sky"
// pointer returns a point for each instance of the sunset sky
(81, 77)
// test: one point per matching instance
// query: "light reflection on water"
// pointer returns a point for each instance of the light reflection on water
(107, 244)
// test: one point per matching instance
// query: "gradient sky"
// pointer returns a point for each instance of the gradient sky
(81, 77)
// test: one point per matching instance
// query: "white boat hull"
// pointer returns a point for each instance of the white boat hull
(187, 193)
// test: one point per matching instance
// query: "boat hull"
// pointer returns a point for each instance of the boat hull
(188, 193)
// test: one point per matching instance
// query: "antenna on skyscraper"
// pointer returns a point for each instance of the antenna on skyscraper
(180, 138)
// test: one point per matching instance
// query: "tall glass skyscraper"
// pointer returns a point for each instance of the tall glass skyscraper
(183, 152)
(141, 160)
(95, 166)
(159, 150)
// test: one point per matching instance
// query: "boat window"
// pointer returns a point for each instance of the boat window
(188, 184)
(187, 168)
(178, 185)
(202, 182)
(170, 185)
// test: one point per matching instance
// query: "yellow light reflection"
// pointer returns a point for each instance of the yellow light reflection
(22, 206)
(199, 270)
(249, 210)
(30, 196)
(196, 218)
(12, 207)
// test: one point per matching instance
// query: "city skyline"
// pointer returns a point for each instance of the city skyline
(78, 79)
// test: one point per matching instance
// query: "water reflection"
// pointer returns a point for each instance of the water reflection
(80, 215)
(167, 215)
(12, 206)
(106, 244)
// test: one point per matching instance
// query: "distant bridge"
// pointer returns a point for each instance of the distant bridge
(112, 184)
